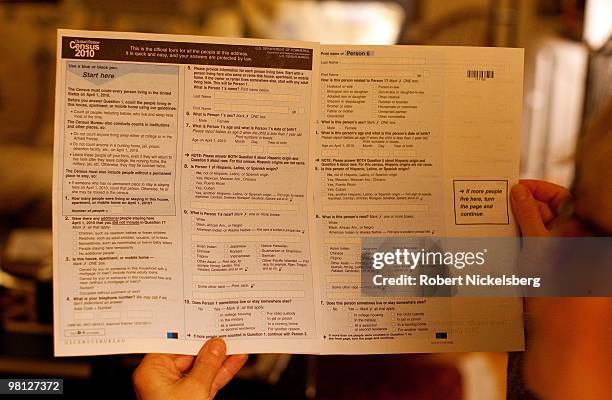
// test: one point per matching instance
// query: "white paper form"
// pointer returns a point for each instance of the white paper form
(413, 141)
(195, 194)
(180, 194)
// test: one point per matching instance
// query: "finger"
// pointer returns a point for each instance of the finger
(174, 364)
(183, 362)
(545, 212)
(230, 367)
(547, 192)
(208, 362)
(157, 367)
(527, 212)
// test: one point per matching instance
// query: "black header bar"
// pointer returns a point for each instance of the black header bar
(186, 53)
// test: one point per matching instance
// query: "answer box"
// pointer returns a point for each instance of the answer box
(481, 202)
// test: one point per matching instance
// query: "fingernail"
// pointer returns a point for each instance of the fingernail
(217, 347)
(519, 192)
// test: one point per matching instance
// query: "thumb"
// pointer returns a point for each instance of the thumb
(208, 362)
(527, 212)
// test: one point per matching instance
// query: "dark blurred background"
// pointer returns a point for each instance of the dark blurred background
(568, 76)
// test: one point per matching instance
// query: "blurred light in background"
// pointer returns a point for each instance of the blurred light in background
(597, 22)
(333, 22)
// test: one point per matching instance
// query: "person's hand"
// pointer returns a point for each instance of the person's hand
(544, 209)
(564, 333)
(174, 376)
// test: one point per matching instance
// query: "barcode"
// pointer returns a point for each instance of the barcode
(480, 74)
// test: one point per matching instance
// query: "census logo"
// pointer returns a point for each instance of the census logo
(84, 48)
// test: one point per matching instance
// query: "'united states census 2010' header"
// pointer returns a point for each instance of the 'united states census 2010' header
(186, 53)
